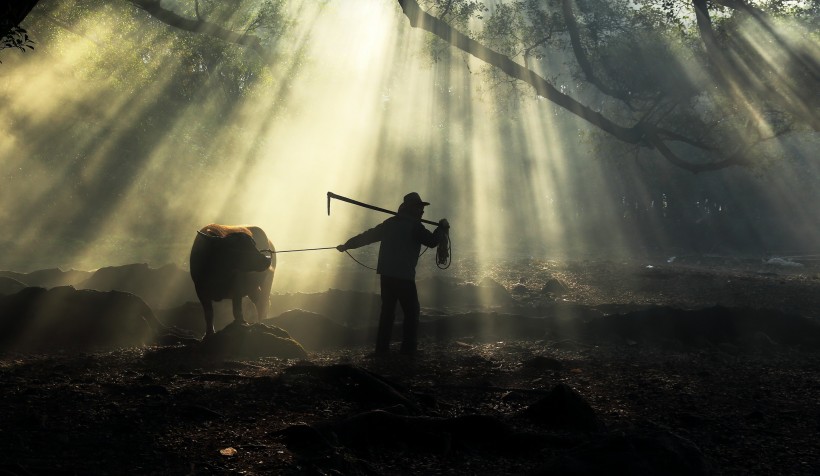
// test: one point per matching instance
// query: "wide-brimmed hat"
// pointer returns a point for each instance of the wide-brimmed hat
(413, 198)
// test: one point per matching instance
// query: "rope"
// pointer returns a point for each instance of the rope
(444, 255)
(443, 252)
(303, 249)
(315, 249)
(354, 259)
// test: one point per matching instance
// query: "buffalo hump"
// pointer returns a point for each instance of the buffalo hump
(221, 231)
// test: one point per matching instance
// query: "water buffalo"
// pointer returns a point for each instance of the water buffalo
(226, 262)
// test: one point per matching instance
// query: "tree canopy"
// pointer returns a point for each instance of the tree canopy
(664, 75)
(704, 84)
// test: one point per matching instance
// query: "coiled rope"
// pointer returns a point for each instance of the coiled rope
(444, 252)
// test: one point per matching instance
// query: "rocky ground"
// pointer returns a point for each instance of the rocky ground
(598, 369)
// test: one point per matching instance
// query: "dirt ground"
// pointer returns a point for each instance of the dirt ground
(746, 407)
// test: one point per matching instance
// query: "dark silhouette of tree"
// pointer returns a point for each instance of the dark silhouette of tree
(11, 14)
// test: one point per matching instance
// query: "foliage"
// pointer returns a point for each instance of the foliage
(121, 44)
(704, 83)
(267, 19)
(17, 38)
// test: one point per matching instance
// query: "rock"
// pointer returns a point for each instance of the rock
(564, 408)
(379, 430)
(162, 287)
(304, 440)
(657, 452)
(10, 285)
(359, 384)
(488, 282)
(519, 288)
(49, 278)
(542, 363)
(762, 340)
(441, 292)
(198, 413)
(554, 287)
(63, 318)
(350, 308)
(251, 341)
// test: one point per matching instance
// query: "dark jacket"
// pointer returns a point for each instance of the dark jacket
(401, 238)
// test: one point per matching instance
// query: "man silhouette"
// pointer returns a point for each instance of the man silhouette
(401, 237)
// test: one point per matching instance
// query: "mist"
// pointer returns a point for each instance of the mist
(633, 279)
(113, 159)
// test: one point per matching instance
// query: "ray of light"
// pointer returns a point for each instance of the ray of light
(356, 109)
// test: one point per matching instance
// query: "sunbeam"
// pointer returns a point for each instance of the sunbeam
(127, 135)
(409, 237)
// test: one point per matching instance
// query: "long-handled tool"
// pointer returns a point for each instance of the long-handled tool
(444, 252)
(331, 195)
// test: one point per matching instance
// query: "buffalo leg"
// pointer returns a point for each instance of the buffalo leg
(261, 297)
(261, 303)
(237, 309)
(208, 308)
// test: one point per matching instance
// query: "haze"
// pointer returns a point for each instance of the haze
(100, 168)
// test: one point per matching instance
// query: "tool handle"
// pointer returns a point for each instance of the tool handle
(365, 205)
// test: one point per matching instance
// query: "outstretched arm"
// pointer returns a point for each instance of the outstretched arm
(370, 236)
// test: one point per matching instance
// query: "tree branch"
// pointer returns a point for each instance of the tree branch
(641, 133)
(695, 167)
(719, 61)
(581, 56)
(808, 62)
(169, 17)
(421, 19)
(730, 76)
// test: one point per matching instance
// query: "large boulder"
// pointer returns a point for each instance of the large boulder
(49, 278)
(350, 308)
(63, 318)
(10, 285)
(442, 292)
(244, 341)
(162, 287)
(564, 409)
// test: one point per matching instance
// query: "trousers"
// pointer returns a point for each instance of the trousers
(403, 292)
